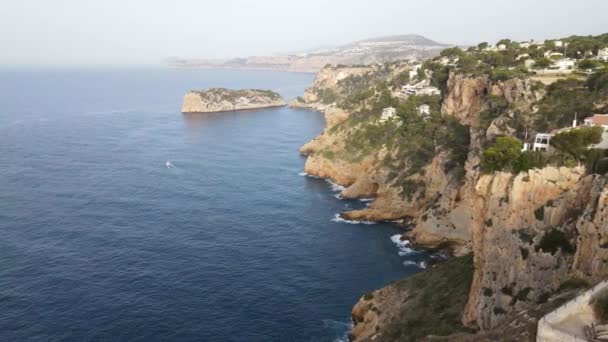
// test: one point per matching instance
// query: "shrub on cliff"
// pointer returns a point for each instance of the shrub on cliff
(596, 161)
(502, 155)
(600, 307)
(326, 95)
(436, 299)
(553, 241)
(529, 160)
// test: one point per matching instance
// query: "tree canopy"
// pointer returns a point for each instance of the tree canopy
(573, 144)
(501, 155)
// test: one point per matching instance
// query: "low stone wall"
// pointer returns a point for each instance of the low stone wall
(548, 327)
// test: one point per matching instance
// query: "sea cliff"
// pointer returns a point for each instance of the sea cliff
(527, 233)
(222, 100)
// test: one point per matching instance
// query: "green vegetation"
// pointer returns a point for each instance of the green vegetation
(564, 98)
(539, 213)
(435, 303)
(581, 46)
(521, 296)
(524, 253)
(573, 283)
(555, 240)
(572, 145)
(542, 63)
(326, 95)
(600, 307)
(505, 155)
(439, 74)
(414, 140)
(502, 155)
(401, 79)
(368, 296)
(596, 161)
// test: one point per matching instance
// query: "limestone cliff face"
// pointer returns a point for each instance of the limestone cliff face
(222, 100)
(529, 233)
(509, 216)
(467, 97)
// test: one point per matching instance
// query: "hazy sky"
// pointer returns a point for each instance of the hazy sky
(147, 31)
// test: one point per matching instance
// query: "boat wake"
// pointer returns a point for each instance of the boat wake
(169, 165)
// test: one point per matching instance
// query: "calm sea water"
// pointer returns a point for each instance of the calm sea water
(100, 240)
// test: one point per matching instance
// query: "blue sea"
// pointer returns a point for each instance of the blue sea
(121, 219)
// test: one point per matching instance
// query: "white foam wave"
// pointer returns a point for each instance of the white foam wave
(304, 174)
(402, 245)
(420, 264)
(338, 328)
(338, 218)
(366, 199)
(334, 185)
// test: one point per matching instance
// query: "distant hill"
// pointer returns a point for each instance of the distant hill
(368, 51)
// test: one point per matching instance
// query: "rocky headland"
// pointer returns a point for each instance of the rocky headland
(223, 100)
(523, 234)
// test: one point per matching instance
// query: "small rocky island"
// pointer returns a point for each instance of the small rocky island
(222, 100)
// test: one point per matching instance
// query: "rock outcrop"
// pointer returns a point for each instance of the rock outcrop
(222, 100)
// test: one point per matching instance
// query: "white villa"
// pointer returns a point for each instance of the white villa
(423, 110)
(541, 142)
(388, 113)
(603, 54)
(414, 72)
(553, 54)
(420, 88)
(565, 64)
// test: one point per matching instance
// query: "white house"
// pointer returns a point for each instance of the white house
(420, 88)
(502, 47)
(553, 54)
(565, 64)
(388, 113)
(599, 120)
(429, 91)
(414, 72)
(541, 142)
(603, 54)
(423, 110)
(558, 43)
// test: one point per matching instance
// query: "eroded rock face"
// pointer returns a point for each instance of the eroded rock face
(509, 216)
(467, 97)
(591, 258)
(222, 100)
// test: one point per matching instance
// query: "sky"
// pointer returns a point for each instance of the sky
(115, 32)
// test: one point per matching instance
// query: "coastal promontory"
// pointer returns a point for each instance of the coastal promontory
(223, 100)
